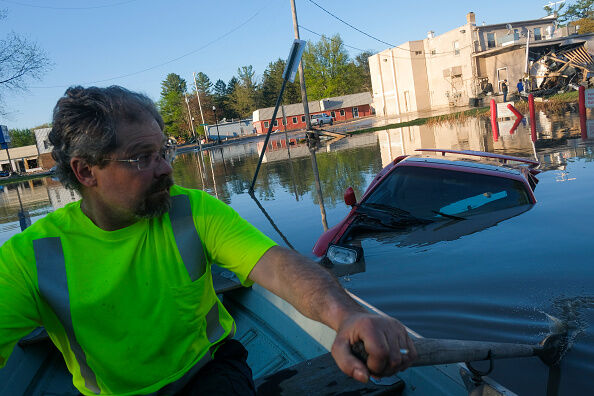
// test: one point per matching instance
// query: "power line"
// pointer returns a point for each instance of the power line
(351, 26)
(171, 60)
(68, 8)
(367, 34)
(331, 39)
(381, 55)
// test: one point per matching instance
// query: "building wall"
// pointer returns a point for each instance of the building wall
(23, 159)
(512, 61)
(505, 36)
(383, 81)
(364, 111)
(231, 129)
(450, 74)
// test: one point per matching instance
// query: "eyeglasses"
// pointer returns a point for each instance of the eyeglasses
(147, 160)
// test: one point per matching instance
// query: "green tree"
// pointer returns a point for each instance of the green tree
(328, 69)
(21, 137)
(203, 83)
(172, 105)
(574, 11)
(244, 97)
(228, 109)
(272, 80)
(363, 72)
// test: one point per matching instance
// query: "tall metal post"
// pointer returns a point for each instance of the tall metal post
(200, 106)
(214, 110)
(190, 116)
(301, 76)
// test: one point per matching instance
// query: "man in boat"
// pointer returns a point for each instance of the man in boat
(121, 280)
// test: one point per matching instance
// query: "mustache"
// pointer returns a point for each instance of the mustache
(161, 184)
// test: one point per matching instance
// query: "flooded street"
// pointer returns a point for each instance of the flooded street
(497, 282)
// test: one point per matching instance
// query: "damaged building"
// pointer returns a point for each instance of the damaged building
(458, 67)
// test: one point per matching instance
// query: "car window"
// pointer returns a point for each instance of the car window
(424, 191)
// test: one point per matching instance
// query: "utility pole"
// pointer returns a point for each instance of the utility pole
(190, 116)
(200, 106)
(301, 76)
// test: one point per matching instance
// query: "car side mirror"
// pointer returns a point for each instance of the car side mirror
(349, 197)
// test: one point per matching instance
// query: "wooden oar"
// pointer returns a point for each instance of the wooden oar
(432, 351)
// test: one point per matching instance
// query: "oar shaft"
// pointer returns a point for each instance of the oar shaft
(436, 351)
(432, 351)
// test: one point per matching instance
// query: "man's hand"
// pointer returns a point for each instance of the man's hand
(315, 293)
(383, 338)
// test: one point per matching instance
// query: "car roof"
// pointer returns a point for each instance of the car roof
(464, 162)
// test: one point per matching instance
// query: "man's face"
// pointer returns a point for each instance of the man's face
(124, 190)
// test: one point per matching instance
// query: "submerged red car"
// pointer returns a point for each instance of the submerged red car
(431, 187)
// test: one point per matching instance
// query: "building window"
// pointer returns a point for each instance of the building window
(491, 40)
(284, 122)
(294, 120)
(355, 112)
(46, 144)
(266, 124)
(516, 35)
(433, 52)
(418, 52)
(456, 47)
(342, 113)
(275, 122)
(537, 34)
(302, 118)
(332, 114)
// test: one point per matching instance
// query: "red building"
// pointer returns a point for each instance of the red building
(340, 108)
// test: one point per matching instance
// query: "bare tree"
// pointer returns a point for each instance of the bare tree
(21, 61)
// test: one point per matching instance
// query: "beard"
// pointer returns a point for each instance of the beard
(157, 200)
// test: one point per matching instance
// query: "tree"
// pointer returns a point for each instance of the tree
(244, 97)
(326, 68)
(228, 109)
(203, 83)
(172, 105)
(272, 80)
(570, 12)
(21, 137)
(585, 25)
(362, 64)
(21, 61)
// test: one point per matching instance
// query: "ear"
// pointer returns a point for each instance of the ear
(83, 172)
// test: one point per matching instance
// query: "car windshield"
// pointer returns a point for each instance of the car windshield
(432, 193)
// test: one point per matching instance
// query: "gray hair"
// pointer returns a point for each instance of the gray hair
(84, 125)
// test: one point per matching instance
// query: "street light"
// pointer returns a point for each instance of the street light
(214, 110)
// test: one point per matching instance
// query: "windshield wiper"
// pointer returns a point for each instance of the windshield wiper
(397, 217)
(390, 209)
(449, 216)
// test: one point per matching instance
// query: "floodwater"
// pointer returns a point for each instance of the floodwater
(498, 282)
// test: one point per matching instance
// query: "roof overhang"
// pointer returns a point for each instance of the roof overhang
(575, 39)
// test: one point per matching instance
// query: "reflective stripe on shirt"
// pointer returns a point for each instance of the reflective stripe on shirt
(186, 236)
(53, 287)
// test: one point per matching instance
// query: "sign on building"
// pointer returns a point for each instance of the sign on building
(590, 97)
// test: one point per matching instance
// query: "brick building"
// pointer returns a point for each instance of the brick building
(340, 108)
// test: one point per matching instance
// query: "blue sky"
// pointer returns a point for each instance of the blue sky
(105, 42)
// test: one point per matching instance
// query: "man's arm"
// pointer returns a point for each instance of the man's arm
(315, 293)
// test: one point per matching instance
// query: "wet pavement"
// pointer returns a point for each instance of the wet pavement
(496, 283)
